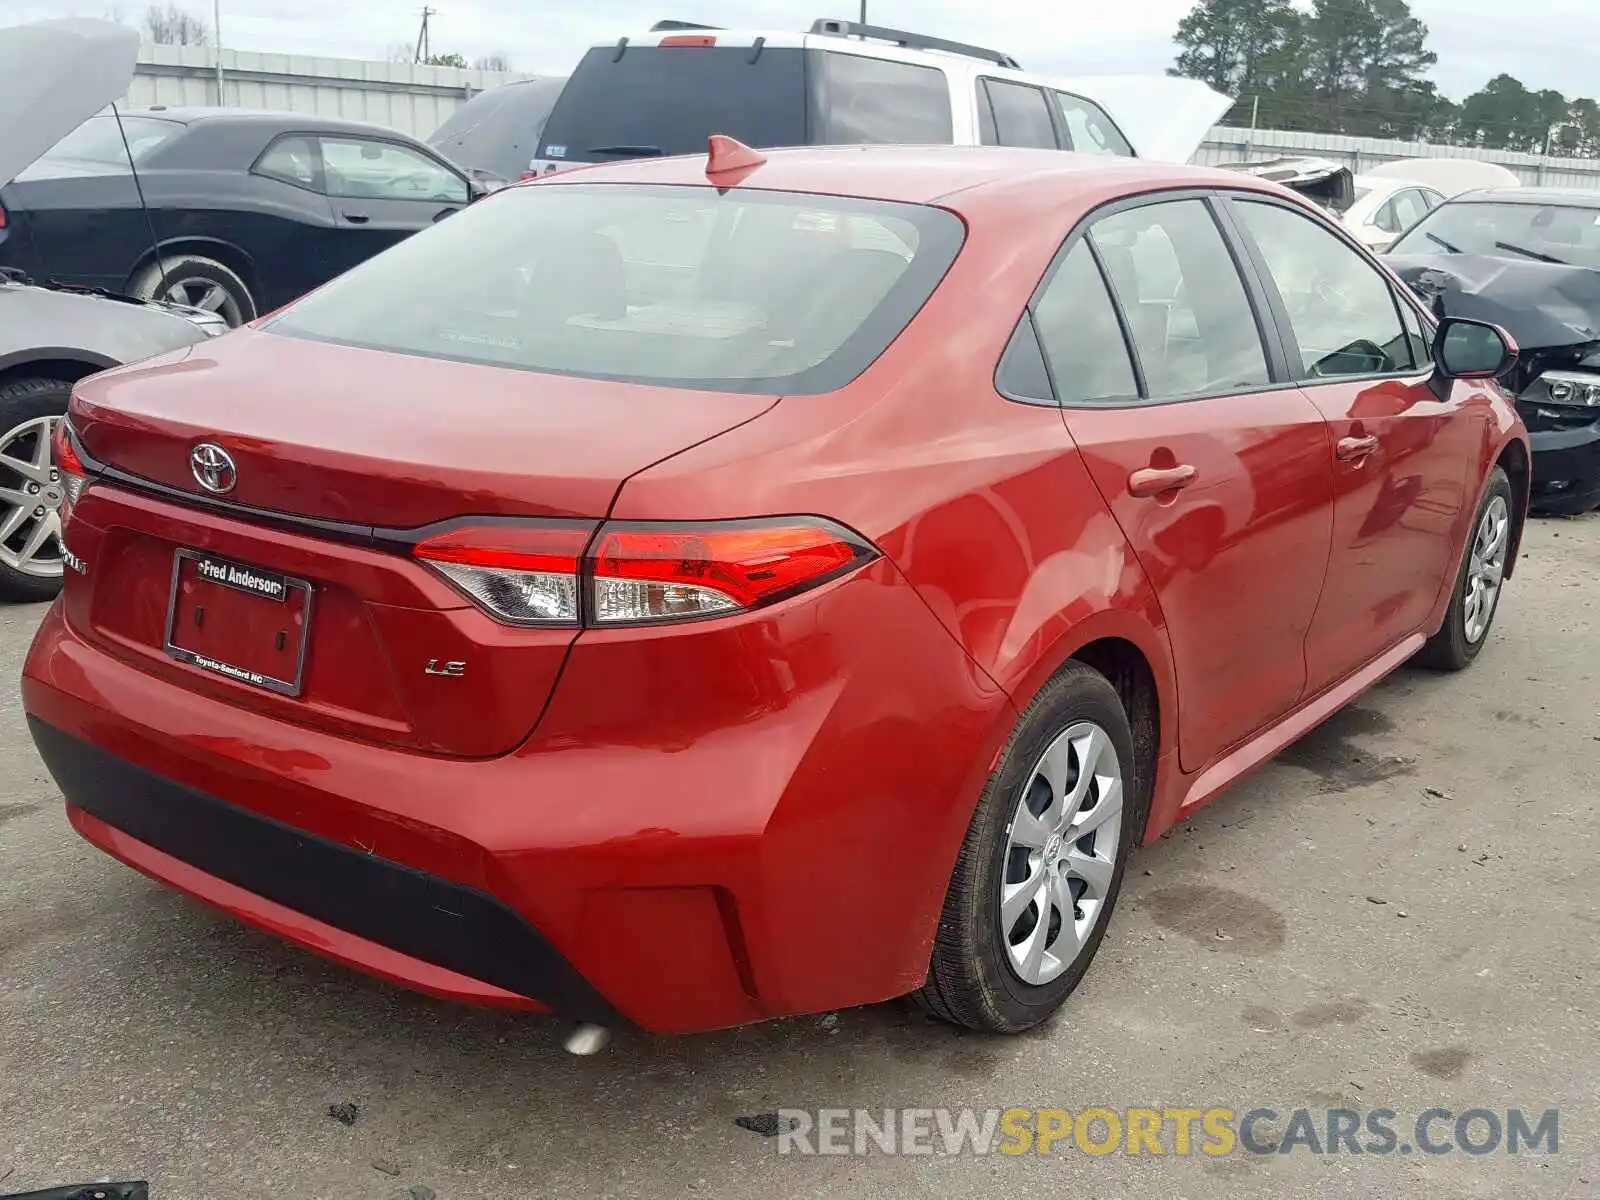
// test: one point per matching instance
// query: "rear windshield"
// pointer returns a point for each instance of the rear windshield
(498, 130)
(99, 141)
(668, 99)
(744, 291)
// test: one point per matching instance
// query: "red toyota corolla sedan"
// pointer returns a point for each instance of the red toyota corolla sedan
(694, 591)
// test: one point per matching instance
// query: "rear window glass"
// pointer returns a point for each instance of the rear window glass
(1089, 130)
(654, 100)
(99, 141)
(745, 291)
(860, 100)
(498, 130)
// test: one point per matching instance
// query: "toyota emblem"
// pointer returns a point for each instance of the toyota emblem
(213, 467)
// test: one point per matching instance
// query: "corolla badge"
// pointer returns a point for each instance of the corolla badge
(213, 467)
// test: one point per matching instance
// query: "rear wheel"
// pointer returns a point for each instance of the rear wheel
(1039, 872)
(30, 488)
(1476, 595)
(199, 283)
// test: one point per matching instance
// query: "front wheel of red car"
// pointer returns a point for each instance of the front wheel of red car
(1039, 872)
(1476, 594)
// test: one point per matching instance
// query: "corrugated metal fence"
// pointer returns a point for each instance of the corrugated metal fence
(1227, 144)
(412, 99)
(416, 100)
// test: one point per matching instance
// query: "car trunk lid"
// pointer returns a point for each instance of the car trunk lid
(364, 438)
(337, 465)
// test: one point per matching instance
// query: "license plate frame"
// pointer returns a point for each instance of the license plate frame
(296, 591)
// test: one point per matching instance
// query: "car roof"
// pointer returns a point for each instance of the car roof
(1572, 197)
(198, 114)
(872, 46)
(921, 174)
(1384, 184)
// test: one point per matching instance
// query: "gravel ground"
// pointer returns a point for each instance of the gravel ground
(1403, 912)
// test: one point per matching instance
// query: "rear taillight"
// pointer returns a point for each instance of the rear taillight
(698, 40)
(74, 476)
(641, 572)
(521, 574)
(650, 573)
(2, 216)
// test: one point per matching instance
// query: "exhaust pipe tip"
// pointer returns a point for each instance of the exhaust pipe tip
(588, 1039)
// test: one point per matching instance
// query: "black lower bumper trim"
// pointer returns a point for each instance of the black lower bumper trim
(431, 919)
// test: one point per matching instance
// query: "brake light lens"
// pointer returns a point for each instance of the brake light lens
(521, 574)
(650, 573)
(74, 476)
(640, 572)
(689, 39)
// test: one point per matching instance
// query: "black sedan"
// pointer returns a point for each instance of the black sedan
(1527, 259)
(249, 209)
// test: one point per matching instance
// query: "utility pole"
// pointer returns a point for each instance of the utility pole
(216, 43)
(863, 12)
(424, 48)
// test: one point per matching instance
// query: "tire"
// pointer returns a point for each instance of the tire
(199, 282)
(28, 410)
(1466, 627)
(975, 979)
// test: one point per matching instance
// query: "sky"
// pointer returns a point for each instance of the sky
(1475, 39)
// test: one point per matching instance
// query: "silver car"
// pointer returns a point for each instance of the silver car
(54, 75)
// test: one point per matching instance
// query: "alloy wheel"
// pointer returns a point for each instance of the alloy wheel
(1061, 853)
(30, 500)
(1486, 569)
(199, 292)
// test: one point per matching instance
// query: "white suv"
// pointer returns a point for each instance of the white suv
(844, 83)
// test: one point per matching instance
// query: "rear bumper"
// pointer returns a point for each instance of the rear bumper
(412, 927)
(707, 847)
(1566, 469)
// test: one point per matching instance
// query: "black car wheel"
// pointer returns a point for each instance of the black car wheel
(30, 488)
(1475, 597)
(1039, 872)
(199, 283)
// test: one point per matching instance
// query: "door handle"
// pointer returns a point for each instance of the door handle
(1152, 481)
(1351, 448)
(356, 218)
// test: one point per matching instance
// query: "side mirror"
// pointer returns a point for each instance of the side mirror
(1466, 349)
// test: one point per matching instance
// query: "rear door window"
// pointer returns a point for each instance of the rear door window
(646, 101)
(745, 291)
(862, 100)
(1020, 115)
(1191, 321)
(1410, 206)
